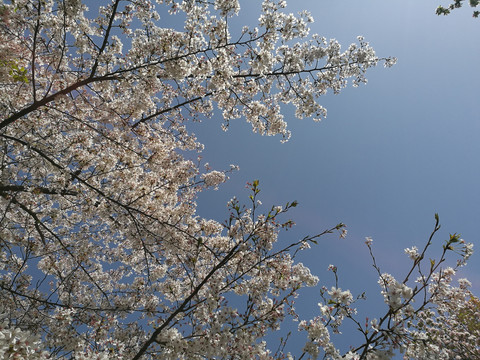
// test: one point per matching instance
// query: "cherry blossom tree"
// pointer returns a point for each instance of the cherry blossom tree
(102, 253)
(426, 318)
(452, 328)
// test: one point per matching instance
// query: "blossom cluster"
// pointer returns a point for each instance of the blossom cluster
(395, 293)
(16, 343)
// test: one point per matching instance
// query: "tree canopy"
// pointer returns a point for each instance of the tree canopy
(103, 255)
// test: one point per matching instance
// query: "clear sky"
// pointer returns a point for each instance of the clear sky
(388, 157)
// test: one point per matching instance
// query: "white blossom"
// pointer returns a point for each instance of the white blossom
(412, 253)
(214, 178)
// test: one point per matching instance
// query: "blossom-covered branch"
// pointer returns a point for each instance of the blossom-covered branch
(422, 316)
(102, 252)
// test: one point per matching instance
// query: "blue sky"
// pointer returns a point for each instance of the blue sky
(388, 157)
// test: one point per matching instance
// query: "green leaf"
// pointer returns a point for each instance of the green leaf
(454, 238)
(442, 11)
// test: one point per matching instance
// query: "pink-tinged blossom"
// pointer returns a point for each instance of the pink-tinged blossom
(368, 241)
